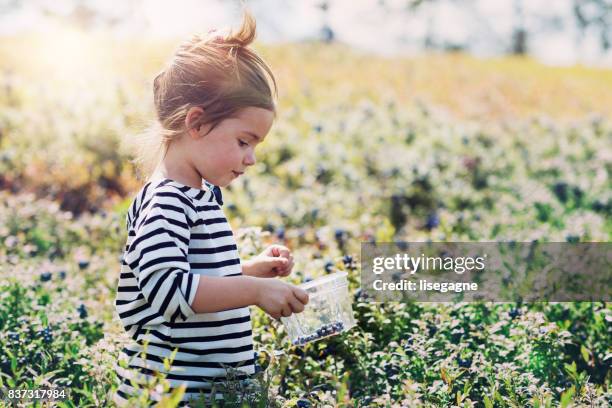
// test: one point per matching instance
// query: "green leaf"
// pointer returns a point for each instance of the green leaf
(571, 368)
(174, 398)
(567, 397)
(585, 354)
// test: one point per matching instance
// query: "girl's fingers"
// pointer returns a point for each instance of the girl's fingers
(285, 252)
(301, 295)
(280, 263)
(286, 270)
(296, 305)
(279, 250)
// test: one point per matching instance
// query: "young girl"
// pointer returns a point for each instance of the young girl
(182, 285)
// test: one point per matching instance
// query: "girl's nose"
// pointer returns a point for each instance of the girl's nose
(249, 159)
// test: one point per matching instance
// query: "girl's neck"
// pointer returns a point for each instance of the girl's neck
(177, 173)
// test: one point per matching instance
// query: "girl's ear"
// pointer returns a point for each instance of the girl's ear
(193, 121)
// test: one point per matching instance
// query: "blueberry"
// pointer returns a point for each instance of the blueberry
(390, 370)
(62, 275)
(358, 294)
(280, 233)
(303, 403)
(307, 279)
(45, 276)
(514, 313)
(432, 221)
(329, 266)
(467, 363)
(83, 264)
(46, 334)
(561, 190)
(82, 311)
(340, 236)
(348, 260)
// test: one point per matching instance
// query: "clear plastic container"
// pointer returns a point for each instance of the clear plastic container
(328, 312)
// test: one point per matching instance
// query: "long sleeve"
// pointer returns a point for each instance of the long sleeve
(157, 255)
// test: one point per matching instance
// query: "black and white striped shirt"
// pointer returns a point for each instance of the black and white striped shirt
(175, 234)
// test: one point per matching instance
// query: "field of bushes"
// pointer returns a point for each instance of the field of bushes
(365, 148)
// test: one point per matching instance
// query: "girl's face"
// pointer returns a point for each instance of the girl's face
(224, 153)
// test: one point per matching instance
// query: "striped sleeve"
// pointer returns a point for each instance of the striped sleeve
(158, 256)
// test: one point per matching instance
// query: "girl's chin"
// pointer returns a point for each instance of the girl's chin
(225, 183)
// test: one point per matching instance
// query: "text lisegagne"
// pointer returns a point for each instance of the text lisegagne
(423, 285)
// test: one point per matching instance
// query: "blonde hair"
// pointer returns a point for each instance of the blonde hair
(218, 73)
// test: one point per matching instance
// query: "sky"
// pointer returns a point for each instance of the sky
(485, 24)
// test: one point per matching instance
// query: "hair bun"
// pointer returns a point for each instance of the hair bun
(240, 38)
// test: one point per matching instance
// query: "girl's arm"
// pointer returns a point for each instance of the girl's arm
(220, 293)
(275, 297)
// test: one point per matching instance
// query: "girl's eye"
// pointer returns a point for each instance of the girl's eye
(242, 143)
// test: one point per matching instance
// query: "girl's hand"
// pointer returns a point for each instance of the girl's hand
(275, 260)
(278, 298)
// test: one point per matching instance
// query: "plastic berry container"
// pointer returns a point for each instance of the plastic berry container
(329, 310)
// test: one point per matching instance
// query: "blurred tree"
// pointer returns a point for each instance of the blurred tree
(519, 32)
(327, 33)
(597, 16)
